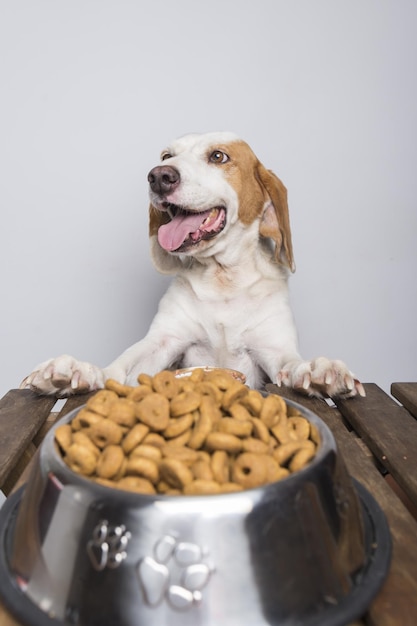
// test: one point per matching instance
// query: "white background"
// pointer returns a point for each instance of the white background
(92, 90)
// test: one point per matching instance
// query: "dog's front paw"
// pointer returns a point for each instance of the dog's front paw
(320, 378)
(64, 376)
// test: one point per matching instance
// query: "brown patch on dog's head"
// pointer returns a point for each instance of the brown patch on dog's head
(275, 222)
(255, 186)
(156, 219)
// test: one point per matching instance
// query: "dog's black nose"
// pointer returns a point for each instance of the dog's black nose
(163, 179)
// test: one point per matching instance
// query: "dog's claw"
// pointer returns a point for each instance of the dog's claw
(321, 378)
(306, 381)
(359, 388)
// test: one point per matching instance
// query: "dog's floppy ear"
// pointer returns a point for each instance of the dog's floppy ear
(275, 221)
(164, 262)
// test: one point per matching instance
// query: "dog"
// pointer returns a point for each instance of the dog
(219, 223)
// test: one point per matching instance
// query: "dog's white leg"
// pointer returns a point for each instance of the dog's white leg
(150, 355)
(321, 377)
(64, 375)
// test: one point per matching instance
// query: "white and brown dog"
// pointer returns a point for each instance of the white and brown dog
(219, 222)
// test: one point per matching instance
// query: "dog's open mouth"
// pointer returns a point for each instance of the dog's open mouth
(187, 228)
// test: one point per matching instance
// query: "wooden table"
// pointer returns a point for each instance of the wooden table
(376, 436)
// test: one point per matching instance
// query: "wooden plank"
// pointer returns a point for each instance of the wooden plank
(70, 403)
(22, 473)
(22, 413)
(406, 393)
(389, 431)
(396, 602)
(18, 469)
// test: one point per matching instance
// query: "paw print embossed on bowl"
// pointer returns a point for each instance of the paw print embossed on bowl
(177, 571)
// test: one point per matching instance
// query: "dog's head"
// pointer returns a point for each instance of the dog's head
(211, 192)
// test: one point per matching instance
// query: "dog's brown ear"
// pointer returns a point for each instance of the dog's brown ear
(164, 262)
(275, 221)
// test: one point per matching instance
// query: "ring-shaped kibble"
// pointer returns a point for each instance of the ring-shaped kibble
(302, 457)
(166, 384)
(154, 439)
(178, 425)
(209, 408)
(240, 428)
(202, 428)
(143, 467)
(80, 459)
(63, 436)
(122, 470)
(251, 444)
(222, 381)
(239, 412)
(201, 469)
(137, 484)
(249, 470)
(282, 433)
(180, 440)
(273, 409)
(81, 437)
(121, 389)
(184, 402)
(260, 430)
(134, 437)
(235, 392)
(207, 388)
(253, 401)
(181, 453)
(286, 451)
(186, 385)
(150, 452)
(101, 401)
(105, 432)
(300, 426)
(197, 375)
(274, 471)
(110, 461)
(153, 411)
(86, 418)
(220, 466)
(223, 441)
(138, 393)
(145, 379)
(175, 473)
(123, 412)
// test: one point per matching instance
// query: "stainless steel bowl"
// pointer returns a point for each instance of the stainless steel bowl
(312, 549)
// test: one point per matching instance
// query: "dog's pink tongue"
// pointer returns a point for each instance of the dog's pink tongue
(173, 234)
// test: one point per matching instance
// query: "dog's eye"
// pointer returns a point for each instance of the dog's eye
(218, 157)
(165, 156)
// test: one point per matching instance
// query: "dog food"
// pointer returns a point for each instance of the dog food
(206, 433)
